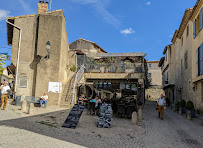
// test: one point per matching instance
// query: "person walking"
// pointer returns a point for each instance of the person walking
(161, 105)
(4, 92)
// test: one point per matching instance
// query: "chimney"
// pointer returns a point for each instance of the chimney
(43, 7)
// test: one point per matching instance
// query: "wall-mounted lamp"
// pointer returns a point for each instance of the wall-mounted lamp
(48, 46)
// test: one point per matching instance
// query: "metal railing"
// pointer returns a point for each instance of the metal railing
(114, 67)
(77, 79)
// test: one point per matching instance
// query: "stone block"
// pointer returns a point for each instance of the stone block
(134, 118)
(140, 114)
(189, 115)
(31, 108)
(23, 106)
(180, 111)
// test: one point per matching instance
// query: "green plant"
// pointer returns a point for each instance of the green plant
(182, 103)
(201, 112)
(1, 66)
(177, 105)
(189, 105)
(73, 68)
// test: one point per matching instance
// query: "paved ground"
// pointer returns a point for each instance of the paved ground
(43, 129)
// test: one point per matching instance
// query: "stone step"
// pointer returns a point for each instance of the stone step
(65, 106)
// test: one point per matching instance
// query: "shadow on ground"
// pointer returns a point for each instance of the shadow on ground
(86, 132)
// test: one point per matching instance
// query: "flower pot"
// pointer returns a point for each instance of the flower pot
(186, 111)
(202, 119)
(193, 114)
(183, 109)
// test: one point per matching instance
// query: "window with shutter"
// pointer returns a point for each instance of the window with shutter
(194, 26)
(201, 59)
(186, 60)
(200, 19)
(198, 71)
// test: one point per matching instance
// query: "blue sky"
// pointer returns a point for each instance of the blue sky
(115, 25)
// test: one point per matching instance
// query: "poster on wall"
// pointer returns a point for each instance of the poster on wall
(55, 87)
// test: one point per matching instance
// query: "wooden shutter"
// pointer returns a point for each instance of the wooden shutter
(201, 58)
(198, 61)
(194, 26)
(200, 19)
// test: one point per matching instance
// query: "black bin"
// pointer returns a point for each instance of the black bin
(18, 100)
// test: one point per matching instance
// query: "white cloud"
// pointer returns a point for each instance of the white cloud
(100, 7)
(148, 3)
(127, 31)
(4, 14)
(26, 6)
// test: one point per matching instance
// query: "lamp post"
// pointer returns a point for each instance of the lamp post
(48, 46)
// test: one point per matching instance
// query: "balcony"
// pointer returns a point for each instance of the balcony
(114, 68)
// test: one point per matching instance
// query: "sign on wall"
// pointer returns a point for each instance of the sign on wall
(23, 82)
(55, 87)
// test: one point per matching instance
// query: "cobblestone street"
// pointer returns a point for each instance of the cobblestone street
(20, 130)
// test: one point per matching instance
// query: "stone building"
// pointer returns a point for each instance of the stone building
(168, 67)
(6, 77)
(186, 50)
(39, 69)
(155, 79)
(104, 69)
(47, 65)
(197, 54)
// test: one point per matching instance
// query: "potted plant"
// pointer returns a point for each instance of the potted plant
(201, 112)
(190, 107)
(177, 106)
(182, 105)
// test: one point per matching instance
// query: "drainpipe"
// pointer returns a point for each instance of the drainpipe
(19, 42)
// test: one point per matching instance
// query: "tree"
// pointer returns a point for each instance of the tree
(1, 66)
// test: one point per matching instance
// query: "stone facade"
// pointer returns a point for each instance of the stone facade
(182, 81)
(154, 72)
(155, 78)
(34, 66)
(153, 94)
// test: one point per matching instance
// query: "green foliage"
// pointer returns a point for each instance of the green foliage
(177, 106)
(190, 105)
(73, 68)
(201, 112)
(1, 66)
(182, 103)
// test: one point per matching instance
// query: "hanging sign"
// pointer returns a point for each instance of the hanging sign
(128, 86)
(103, 85)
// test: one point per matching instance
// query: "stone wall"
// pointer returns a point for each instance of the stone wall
(153, 94)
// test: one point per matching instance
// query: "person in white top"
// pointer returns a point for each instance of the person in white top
(4, 91)
(161, 105)
(43, 99)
